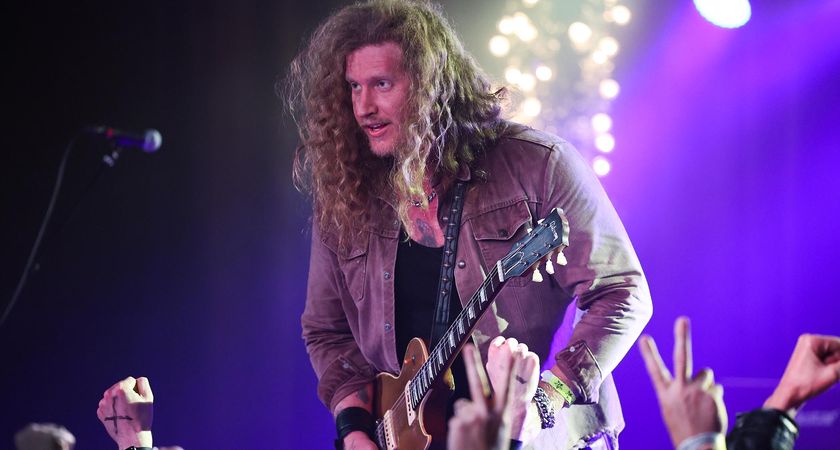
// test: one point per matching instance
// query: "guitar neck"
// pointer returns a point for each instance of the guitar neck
(451, 343)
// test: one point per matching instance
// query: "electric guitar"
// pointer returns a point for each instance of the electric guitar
(411, 407)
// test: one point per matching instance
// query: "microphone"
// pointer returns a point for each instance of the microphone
(149, 141)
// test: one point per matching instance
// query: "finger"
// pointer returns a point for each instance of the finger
(705, 378)
(459, 404)
(144, 389)
(717, 391)
(682, 349)
(656, 369)
(128, 384)
(476, 377)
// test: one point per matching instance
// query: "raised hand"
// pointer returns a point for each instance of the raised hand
(126, 412)
(481, 423)
(813, 367)
(512, 366)
(690, 405)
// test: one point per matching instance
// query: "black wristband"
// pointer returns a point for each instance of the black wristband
(139, 448)
(763, 429)
(515, 444)
(352, 419)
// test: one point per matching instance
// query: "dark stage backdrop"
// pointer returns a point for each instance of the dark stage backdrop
(189, 265)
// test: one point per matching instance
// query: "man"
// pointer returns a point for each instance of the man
(393, 113)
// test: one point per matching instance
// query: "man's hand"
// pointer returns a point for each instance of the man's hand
(813, 367)
(358, 440)
(689, 405)
(126, 412)
(509, 361)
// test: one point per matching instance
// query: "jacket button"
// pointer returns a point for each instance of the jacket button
(387, 275)
(462, 264)
(387, 326)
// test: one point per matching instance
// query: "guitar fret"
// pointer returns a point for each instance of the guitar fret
(471, 311)
(461, 329)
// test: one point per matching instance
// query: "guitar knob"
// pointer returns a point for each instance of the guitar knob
(561, 258)
(549, 267)
(537, 276)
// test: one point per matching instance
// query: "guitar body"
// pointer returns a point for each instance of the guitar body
(424, 428)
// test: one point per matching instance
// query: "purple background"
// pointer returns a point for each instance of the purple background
(188, 266)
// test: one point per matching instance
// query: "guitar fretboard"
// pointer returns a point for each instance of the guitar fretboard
(442, 356)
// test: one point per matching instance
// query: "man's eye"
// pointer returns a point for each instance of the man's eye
(384, 84)
(354, 86)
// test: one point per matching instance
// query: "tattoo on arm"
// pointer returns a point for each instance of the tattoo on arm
(116, 417)
(362, 395)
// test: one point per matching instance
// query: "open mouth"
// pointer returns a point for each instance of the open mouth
(376, 129)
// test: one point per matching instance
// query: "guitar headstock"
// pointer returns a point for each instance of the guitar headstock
(549, 236)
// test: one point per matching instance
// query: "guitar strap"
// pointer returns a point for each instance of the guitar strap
(447, 266)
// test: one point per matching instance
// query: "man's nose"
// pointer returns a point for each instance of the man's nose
(366, 103)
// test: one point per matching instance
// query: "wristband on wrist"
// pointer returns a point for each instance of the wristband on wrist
(544, 408)
(352, 419)
(138, 448)
(699, 440)
(559, 386)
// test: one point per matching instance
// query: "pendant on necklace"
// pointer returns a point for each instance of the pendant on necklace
(418, 204)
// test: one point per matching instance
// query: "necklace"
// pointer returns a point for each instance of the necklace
(418, 204)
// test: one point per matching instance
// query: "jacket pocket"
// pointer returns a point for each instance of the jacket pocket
(353, 265)
(497, 230)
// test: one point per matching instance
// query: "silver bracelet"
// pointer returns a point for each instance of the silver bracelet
(698, 440)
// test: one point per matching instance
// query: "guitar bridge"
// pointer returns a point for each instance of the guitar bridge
(410, 414)
(390, 439)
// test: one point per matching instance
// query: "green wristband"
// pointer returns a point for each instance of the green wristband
(559, 386)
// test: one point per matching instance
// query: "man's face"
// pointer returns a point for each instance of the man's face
(379, 89)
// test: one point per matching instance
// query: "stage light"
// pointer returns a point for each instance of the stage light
(579, 33)
(527, 33)
(499, 45)
(520, 21)
(601, 123)
(608, 45)
(601, 166)
(620, 14)
(527, 82)
(512, 75)
(543, 73)
(599, 57)
(605, 142)
(609, 88)
(507, 25)
(530, 2)
(531, 107)
(725, 13)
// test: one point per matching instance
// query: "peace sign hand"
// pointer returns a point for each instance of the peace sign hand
(126, 412)
(689, 405)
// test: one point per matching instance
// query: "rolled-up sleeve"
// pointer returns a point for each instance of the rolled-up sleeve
(335, 356)
(603, 274)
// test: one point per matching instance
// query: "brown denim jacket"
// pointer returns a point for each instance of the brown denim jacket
(584, 318)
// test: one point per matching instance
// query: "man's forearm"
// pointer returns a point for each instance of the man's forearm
(363, 398)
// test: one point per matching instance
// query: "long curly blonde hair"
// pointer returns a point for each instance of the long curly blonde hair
(452, 112)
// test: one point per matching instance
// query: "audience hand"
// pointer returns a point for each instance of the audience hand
(481, 423)
(509, 361)
(126, 412)
(813, 367)
(690, 405)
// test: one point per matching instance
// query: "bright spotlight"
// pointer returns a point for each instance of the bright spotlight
(512, 75)
(620, 14)
(579, 32)
(609, 88)
(725, 13)
(507, 25)
(527, 82)
(601, 166)
(608, 45)
(543, 73)
(531, 107)
(599, 57)
(527, 33)
(499, 45)
(605, 142)
(601, 123)
(530, 2)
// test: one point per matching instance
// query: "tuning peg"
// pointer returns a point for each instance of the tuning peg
(549, 267)
(561, 258)
(537, 276)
